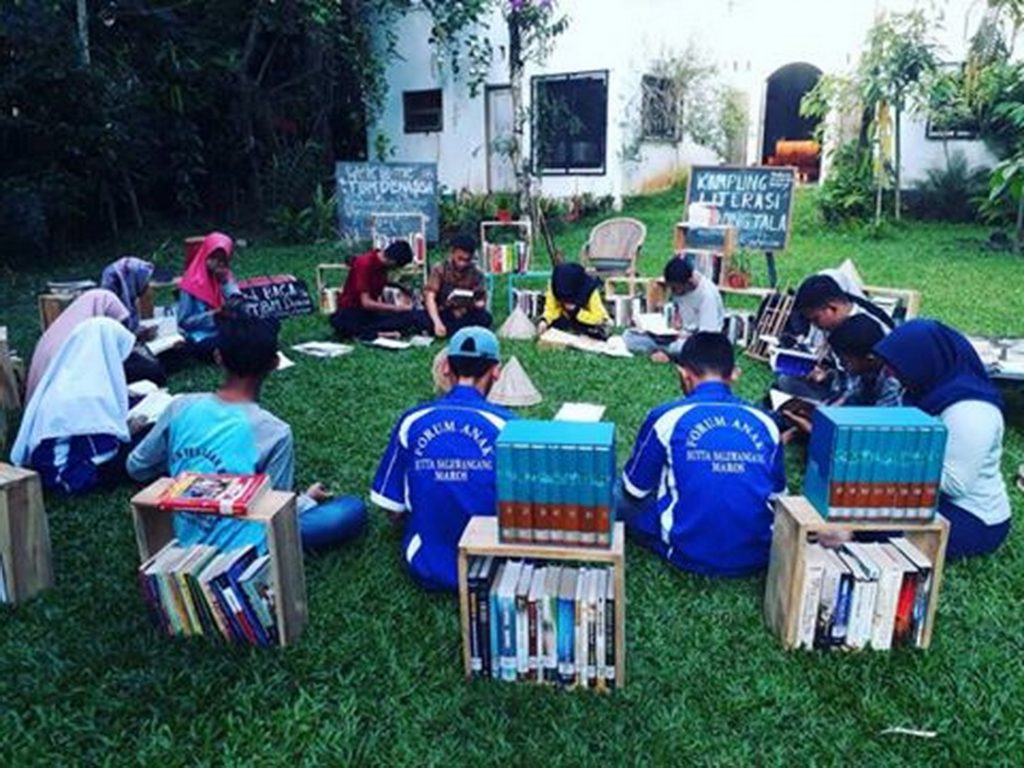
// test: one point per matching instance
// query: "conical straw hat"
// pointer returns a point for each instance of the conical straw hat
(514, 387)
(517, 326)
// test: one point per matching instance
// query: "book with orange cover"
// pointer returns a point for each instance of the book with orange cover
(220, 494)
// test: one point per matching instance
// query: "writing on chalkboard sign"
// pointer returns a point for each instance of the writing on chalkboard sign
(368, 189)
(757, 201)
(275, 296)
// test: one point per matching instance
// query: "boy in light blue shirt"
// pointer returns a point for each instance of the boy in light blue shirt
(228, 432)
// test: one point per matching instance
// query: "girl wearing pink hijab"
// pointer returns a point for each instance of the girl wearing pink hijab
(205, 288)
(95, 303)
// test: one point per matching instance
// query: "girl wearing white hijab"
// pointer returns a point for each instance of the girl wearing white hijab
(75, 429)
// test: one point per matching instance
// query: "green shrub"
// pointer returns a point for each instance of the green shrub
(848, 191)
(953, 193)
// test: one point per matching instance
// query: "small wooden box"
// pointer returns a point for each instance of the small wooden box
(276, 511)
(51, 305)
(480, 539)
(797, 522)
(327, 293)
(24, 535)
(711, 246)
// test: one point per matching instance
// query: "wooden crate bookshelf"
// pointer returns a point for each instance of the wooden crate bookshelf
(24, 535)
(480, 539)
(276, 511)
(715, 243)
(51, 305)
(381, 234)
(327, 294)
(797, 523)
(524, 229)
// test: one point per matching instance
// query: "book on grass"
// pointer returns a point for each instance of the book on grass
(580, 412)
(326, 349)
(390, 344)
(223, 494)
(142, 388)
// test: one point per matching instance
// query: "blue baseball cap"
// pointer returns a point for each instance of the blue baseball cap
(474, 342)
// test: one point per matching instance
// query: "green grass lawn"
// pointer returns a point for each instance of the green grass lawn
(377, 676)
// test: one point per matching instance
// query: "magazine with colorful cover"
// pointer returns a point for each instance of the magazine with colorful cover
(222, 494)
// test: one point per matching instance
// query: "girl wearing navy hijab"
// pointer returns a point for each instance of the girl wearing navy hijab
(944, 376)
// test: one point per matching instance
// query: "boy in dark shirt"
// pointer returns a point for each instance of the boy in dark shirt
(449, 313)
(361, 313)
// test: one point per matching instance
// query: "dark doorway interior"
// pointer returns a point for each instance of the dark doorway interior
(782, 120)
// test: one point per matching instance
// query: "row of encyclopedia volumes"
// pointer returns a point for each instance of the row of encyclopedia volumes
(531, 302)
(199, 590)
(542, 623)
(506, 257)
(865, 595)
(875, 463)
(555, 482)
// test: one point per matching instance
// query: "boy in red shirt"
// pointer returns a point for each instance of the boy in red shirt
(361, 313)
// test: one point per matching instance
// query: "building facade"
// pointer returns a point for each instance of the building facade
(600, 136)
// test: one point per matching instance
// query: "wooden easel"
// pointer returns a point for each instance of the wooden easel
(776, 312)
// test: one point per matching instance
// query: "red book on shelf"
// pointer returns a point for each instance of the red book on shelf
(219, 494)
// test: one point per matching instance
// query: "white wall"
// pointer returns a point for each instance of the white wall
(749, 40)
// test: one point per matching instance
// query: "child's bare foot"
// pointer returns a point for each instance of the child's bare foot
(659, 357)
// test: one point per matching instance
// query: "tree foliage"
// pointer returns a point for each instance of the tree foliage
(111, 113)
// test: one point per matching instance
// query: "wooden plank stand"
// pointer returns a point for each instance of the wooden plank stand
(276, 512)
(480, 539)
(25, 559)
(797, 524)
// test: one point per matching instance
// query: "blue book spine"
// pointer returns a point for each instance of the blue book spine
(603, 495)
(850, 439)
(542, 493)
(566, 640)
(524, 496)
(494, 628)
(587, 459)
(507, 613)
(573, 515)
(842, 616)
(869, 469)
(506, 501)
(837, 487)
(897, 471)
(556, 494)
(820, 453)
(936, 456)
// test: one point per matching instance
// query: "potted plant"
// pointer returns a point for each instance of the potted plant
(738, 274)
(503, 204)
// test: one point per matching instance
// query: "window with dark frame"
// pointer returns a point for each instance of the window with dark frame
(570, 125)
(949, 115)
(660, 109)
(422, 111)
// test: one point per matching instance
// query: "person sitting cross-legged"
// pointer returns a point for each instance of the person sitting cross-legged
(699, 486)
(438, 470)
(445, 295)
(228, 432)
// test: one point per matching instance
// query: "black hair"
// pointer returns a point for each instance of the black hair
(856, 336)
(678, 270)
(470, 367)
(818, 291)
(463, 242)
(707, 353)
(248, 346)
(398, 253)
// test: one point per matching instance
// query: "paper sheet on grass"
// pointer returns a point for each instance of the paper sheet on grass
(323, 348)
(580, 412)
(613, 347)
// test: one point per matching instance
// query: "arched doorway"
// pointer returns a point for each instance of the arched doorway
(783, 122)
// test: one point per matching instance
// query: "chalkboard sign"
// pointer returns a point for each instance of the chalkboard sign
(277, 296)
(368, 188)
(757, 201)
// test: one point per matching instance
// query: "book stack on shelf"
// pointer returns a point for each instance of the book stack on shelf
(245, 585)
(709, 247)
(541, 622)
(853, 585)
(511, 251)
(546, 614)
(530, 301)
(416, 240)
(555, 482)
(503, 258)
(875, 463)
(864, 595)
